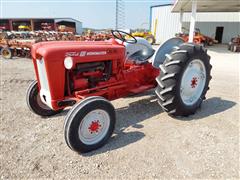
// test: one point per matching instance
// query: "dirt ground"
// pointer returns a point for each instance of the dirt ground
(147, 143)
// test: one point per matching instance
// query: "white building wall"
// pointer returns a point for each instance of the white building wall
(168, 23)
(231, 29)
(214, 17)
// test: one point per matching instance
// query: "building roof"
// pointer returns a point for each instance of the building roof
(161, 5)
(213, 17)
(200, 17)
(207, 6)
(56, 19)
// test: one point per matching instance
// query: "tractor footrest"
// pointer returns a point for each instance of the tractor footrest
(141, 89)
(67, 102)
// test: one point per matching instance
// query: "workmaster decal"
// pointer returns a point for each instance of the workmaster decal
(85, 53)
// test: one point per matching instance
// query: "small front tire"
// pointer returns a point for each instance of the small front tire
(35, 104)
(89, 124)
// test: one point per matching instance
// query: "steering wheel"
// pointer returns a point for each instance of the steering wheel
(121, 35)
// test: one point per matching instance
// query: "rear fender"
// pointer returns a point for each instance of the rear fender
(141, 44)
(166, 48)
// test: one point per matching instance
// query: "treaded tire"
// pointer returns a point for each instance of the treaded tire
(229, 46)
(151, 39)
(75, 117)
(234, 49)
(6, 53)
(171, 73)
(210, 43)
(35, 104)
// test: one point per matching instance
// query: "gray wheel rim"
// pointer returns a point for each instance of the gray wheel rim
(193, 82)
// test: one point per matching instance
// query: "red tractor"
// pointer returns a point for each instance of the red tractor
(198, 38)
(234, 44)
(86, 75)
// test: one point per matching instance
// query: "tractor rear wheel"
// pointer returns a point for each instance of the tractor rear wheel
(183, 80)
(210, 43)
(35, 103)
(229, 46)
(89, 124)
(6, 53)
(234, 48)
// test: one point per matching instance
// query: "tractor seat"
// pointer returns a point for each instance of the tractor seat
(142, 55)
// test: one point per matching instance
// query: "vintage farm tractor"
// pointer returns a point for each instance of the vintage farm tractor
(146, 35)
(198, 37)
(234, 44)
(86, 75)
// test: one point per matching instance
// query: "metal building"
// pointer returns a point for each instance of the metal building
(35, 24)
(75, 24)
(219, 25)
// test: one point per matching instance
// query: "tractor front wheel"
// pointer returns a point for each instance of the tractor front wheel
(183, 80)
(89, 124)
(35, 103)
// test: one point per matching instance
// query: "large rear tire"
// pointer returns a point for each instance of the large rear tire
(89, 124)
(229, 46)
(234, 48)
(183, 80)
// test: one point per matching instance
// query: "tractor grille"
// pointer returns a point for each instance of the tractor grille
(44, 91)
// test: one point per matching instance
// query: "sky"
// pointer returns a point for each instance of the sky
(92, 13)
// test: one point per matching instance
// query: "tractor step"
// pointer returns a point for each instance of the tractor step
(141, 89)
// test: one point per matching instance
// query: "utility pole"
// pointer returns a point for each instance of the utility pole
(116, 18)
(120, 15)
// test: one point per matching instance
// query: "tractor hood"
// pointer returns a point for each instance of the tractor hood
(49, 61)
(54, 49)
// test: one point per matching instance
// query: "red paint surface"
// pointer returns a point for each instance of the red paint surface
(194, 82)
(95, 126)
(126, 77)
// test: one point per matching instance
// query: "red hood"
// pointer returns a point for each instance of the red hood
(44, 48)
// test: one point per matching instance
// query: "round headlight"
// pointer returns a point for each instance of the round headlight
(68, 62)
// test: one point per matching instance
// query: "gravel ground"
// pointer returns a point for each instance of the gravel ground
(147, 143)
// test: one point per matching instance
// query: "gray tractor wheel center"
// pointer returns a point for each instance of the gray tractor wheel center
(193, 82)
(94, 127)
